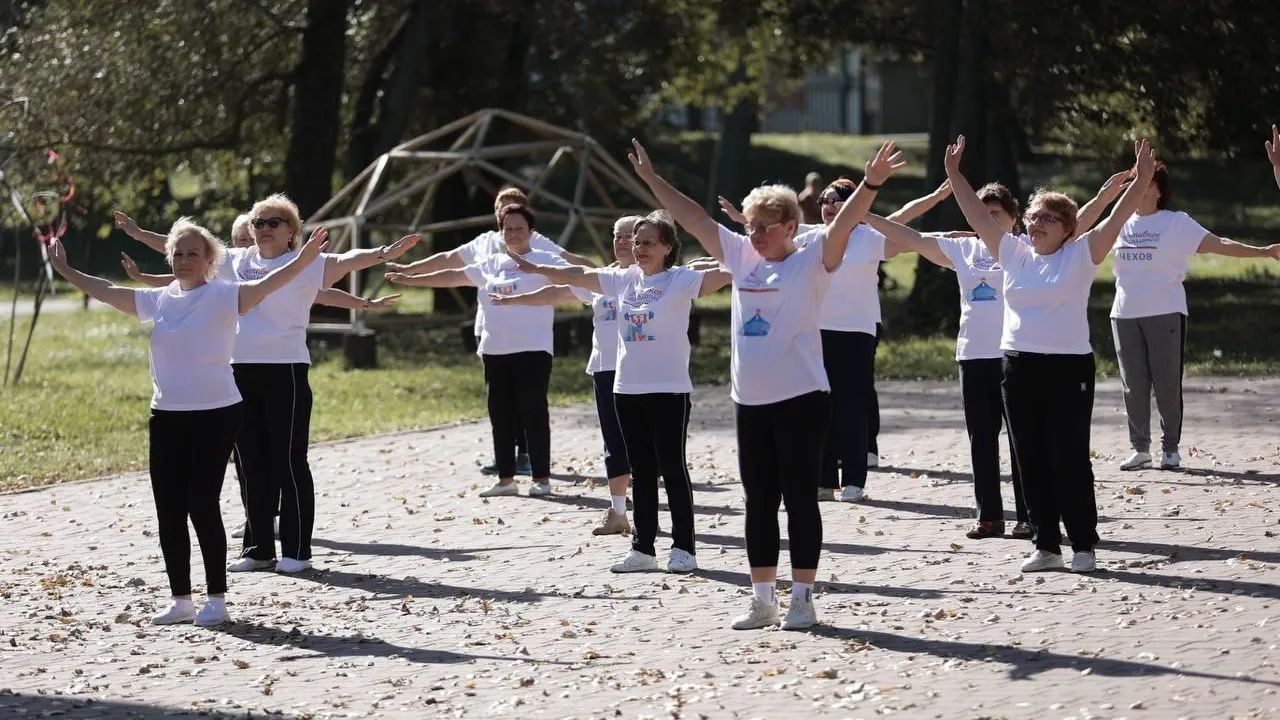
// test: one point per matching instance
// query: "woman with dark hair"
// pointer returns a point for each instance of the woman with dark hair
(779, 386)
(195, 405)
(1149, 314)
(602, 366)
(1048, 368)
(516, 345)
(652, 385)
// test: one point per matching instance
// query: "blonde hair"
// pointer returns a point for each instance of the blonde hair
(509, 195)
(1058, 203)
(627, 220)
(286, 207)
(185, 226)
(777, 200)
(241, 223)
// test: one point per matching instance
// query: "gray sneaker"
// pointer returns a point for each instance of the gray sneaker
(801, 615)
(760, 615)
(1171, 461)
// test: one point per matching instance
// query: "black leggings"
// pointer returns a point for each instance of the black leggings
(983, 415)
(516, 386)
(517, 430)
(1049, 402)
(849, 358)
(271, 458)
(780, 458)
(616, 462)
(655, 427)
(189, 452)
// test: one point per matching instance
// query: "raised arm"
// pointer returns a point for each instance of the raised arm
(920, 206)
(333, 297)
(731, 210)
(136, 275)
(547, 295)
(120, 298)
(878, 169)
(1092, 210)
(574, 275)
(713, 281)
(904, 239)
(1213, 245)
(255, 291)
(155, 241)
(1273, 153)
(338, 266)
(684, 210)
(453, 277)
(1103, 237)
(975, 213)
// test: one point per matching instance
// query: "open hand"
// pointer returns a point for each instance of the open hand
(315, 244)
(951, 161)
(57, 255)
(1273, 147)
(943, 192)
(130, 267)
(382, 302)
(395, 278)
(522, 263)
(1146, 159)
(886, 162)
(401, 246)
(731, 210)
(640, 161)
(124, 222)
(1116, 184)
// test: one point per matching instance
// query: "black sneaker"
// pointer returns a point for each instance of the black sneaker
(985, 529)
(1023, 531)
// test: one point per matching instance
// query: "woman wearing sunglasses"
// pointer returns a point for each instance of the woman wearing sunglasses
(779, 386)
(1048, 363)
(271, 364)
(652, 386)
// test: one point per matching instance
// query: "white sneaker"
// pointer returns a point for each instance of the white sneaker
(1041, 560)
(873, 460)
(680, 561)
(289, 565)
(1170, 461)
(245, 564)
(1084, 562)
(853, 493)
(636, 561)
(239, 532)
(826, 494)
(181, 611)
(1137, 461)
(212, 615)
(540, 489)
(760, 615)
(800, 615)
(500, 490)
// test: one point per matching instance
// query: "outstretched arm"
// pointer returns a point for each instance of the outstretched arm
(886, 162)
(1273, 153)
(684, 210)
(1103, 237)
(443, 260)
(136, 275)
(155, 241)
(1092, 210)
(975, 213)
(547, 295)
(120, 298)
(920, 206)
(338, 266)
(255, 291)
(1213, 245)
(713, 281)
(576, 259)
(575, 275)
(333, 297)
(454, 277)
(904, 239)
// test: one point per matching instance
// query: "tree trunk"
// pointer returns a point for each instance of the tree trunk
(317, 103)
(740, 124)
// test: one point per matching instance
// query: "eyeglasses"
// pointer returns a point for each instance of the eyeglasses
(646, 243)
(1042, 217)
(753, 228)
(827, 200)
(272, 222)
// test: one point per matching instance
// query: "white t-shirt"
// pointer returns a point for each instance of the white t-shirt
(192, 339)
(653, 324)
(981, 282)
(777, 347)
(274, 332)
(1046, 297)
(510, 329)
(604, 333)
(1151, 262)
(853, 302)
(490, 243)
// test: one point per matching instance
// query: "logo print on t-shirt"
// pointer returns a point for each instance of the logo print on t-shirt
(504, 287)
(636, 322)
(982, 292)
(609, 309)
(756, 326)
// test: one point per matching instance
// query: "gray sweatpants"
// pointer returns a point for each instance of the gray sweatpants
(1150, 353)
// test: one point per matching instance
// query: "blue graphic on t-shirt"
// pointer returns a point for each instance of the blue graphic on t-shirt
(635, 327)
(982, 292)
(610, 308)
(756, 326)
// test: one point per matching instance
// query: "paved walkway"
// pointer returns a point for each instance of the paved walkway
(430, 601)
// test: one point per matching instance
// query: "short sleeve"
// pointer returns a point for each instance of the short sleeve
(471, 251)
(611, 280)
(1190, 233)
(230, 297)
(586, 296)
(866, 244)
(475, 272)
(739, 256)
(146, 301)
(1080, 246)
(951, 248)
(688, 282)
(313, 274)
(538, 241)
(227, 270)
(806, 228)
(1010, 248)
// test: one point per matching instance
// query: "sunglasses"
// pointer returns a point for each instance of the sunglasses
(753, 228)
(271, 222)
(1042, 217)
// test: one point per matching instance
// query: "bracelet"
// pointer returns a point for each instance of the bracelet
(869, 186)
(382, 252)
